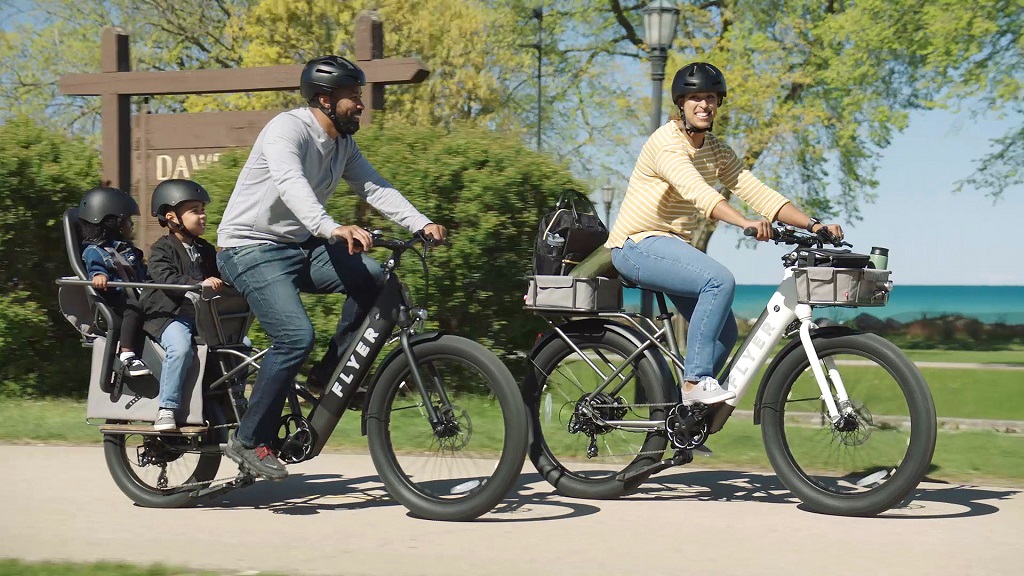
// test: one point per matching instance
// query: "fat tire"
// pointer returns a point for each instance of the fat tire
(513, 455)
(922, 437)
(138, 490)
(564, 480)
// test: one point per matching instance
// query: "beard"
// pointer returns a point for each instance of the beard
(347, 125)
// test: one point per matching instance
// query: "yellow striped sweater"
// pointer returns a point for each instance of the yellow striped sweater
(671, 187)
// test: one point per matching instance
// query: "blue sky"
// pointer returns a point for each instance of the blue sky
(934, 236)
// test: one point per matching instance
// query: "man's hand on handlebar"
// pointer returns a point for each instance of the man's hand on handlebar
(99, 282)
(436, 232)
(357, 238)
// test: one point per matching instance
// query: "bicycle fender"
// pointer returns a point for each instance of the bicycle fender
(596, 326)
(391, 357)
(793, 346)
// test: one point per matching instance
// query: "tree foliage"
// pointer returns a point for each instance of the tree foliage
(489, 190)
(42, 174)
(817, 89)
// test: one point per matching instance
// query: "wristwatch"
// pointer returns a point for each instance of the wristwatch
(810, 225)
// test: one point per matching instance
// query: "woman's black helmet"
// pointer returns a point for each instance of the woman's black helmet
(170, 193)
(322, 75)
(698, 77)
(104, 201)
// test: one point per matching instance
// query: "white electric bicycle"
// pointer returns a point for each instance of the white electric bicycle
(847, 420)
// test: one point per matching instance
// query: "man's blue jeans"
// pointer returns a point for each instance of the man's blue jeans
(176, 340)
(699, 287)
(270, 276)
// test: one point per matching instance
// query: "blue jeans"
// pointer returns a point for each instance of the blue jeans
(270, 276)
(176, 340)
(699, 287)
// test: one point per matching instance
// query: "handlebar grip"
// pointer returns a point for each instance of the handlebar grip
(750, 231)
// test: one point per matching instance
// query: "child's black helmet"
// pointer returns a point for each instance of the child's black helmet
(170, 193)
(322, 75)
(698, 77)
(104, 201)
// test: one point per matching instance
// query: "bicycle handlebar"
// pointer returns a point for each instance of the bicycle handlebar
(123, 284)
(393, 244)
(793, 236)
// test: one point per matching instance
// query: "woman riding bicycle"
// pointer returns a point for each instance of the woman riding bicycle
(670, 189)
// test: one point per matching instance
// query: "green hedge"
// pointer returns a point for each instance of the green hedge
(488, 188)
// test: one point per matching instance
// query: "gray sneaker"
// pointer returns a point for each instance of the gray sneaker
(259, 460)
(707, 391)
(165, 420)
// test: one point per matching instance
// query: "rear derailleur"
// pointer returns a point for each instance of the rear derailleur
(590, 414)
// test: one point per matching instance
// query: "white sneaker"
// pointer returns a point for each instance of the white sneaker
(707, 391)
(165, 420)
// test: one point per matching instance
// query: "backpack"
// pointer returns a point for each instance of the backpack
(567, 235)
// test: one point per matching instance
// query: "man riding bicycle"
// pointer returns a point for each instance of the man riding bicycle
(670, 190)
(274, 239)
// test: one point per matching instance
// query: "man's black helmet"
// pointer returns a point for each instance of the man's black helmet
(698, 77)
(104, 201)
(322, 75)
(170, 193)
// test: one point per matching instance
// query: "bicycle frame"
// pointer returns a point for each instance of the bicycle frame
(779, 314)
(394, 307)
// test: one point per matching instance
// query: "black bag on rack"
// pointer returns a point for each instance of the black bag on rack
(567, 235)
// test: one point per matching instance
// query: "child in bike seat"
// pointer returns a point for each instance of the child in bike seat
(180, 257)
(105, 226)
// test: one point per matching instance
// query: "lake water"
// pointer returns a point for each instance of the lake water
(986, 303)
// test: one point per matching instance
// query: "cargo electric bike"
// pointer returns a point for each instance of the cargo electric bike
(446, 426)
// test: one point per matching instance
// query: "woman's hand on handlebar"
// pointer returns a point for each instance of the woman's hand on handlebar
(761, 230)
(99, 281)
(358, 239)
(833, 231)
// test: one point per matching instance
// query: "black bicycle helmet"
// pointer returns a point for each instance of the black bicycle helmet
(698, 77)
(322, 75)
(170, 193)
(104, 201)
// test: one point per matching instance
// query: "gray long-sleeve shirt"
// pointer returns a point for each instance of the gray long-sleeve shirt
(293, 169)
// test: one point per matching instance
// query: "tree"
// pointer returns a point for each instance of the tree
(488, 189)
(816, 89)
(42, 174)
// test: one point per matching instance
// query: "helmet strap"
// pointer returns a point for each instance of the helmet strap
(690, 128)
(343, 128)
(178, 228)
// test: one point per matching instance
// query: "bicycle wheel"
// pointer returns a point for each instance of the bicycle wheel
(580, 457)
(461, 467)
(157, 471)
(876, 454)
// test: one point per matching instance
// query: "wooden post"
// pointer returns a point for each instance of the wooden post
(116, 114)
(370, 46)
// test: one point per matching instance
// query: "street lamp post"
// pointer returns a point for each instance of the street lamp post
(660, 19)
(607, 196)
(538, 15)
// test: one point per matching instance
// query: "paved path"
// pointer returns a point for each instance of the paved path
(333, 517)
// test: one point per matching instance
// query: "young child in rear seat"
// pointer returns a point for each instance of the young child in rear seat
(105, 227)
(180, 257)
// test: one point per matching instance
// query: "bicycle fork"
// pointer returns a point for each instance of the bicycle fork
(826, 383)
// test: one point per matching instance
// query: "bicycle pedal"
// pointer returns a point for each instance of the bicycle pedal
(704, 450)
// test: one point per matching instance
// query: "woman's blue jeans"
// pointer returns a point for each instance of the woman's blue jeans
(176, 340)
(699, 287)
(270, 276)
